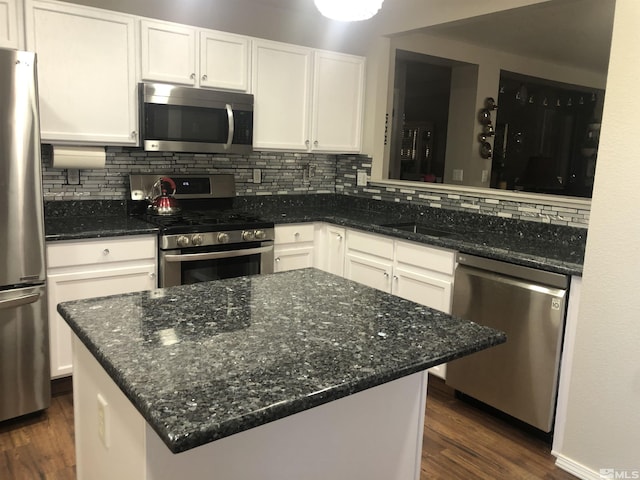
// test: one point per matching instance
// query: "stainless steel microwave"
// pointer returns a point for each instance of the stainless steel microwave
(184, 119)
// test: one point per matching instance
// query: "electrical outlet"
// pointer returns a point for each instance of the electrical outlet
(361, 179)
(458, 175)
(103, 420)
(485, 176)
(73, 176)
(312, 170)
(257, 175)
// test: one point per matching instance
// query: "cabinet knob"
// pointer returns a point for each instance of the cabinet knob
(339, 236)
(297, 234)
(152, 275)
(192, 76)
(204, 77)
(306, 142)
(315, 143)
(277, 259)
(395, 277)
(106, 252)
(134, 134)
(386, 275)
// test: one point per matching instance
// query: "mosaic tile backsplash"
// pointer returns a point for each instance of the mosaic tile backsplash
(283, 173)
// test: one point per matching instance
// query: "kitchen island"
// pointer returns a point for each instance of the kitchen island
(300, 375)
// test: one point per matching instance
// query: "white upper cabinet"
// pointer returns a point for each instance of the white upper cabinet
(224, 61)
(184, 55)
(86, 73)
(10, 36)
(282, 95)
(338, 93)
(167, 52)
(307, 100)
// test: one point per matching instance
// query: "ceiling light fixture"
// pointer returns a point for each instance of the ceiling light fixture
(348, 10)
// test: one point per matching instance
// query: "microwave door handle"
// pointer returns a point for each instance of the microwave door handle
(227, 145)
(193, 257)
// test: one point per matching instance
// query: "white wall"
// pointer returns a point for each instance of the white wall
(603, 411)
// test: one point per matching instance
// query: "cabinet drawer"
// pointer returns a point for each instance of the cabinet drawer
(294, 233)
(100, 251)
(371, 244)
(430, 258)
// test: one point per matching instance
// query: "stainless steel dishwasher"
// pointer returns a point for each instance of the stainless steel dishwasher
(519, 377)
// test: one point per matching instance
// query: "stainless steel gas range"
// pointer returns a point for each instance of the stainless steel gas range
(203, 238)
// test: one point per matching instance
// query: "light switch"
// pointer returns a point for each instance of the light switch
(257, 175)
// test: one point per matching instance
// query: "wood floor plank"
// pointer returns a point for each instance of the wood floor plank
(460, 442)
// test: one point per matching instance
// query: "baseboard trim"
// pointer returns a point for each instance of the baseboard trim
(61, 386)
(575, 468)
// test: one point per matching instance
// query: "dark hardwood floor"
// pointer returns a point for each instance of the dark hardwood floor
(460, 442)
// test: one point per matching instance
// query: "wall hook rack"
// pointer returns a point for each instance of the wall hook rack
(484, 117)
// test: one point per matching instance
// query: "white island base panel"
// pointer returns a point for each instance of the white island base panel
(374, 434)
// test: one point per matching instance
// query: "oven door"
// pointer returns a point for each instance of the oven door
(203, 264)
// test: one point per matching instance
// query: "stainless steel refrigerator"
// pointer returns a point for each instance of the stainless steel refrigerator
(24, 337)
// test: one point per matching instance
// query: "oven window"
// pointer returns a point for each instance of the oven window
(207, 270)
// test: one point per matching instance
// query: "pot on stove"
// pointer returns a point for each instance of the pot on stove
(164, 203)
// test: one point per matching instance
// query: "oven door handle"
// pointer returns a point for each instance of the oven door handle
(193, 257)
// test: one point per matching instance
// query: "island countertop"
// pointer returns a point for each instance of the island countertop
(202, 362)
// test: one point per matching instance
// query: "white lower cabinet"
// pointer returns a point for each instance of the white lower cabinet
(416, 272)
(419, 273)
(92, 268)
(293, 247)
(330, 246)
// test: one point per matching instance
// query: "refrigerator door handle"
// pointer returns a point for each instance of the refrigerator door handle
(19, 301)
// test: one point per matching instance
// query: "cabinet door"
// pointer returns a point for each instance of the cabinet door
(338, 93)
(86, 284)
(9, 36)
(281, 88)
(373, 272)
(423, 288)
(86, 74)
(334, 249)
(224, 61)
(292, 258)
(167, 52)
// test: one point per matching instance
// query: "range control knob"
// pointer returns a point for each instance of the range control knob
(196, 239)
(248, 235)
(223, 237)
(182, 241)
(260, 234)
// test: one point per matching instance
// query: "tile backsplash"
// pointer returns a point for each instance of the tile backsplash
(284, 173)
(281, 173)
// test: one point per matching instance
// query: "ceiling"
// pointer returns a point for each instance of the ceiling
(574, 32)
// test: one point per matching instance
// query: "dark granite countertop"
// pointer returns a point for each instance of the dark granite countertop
(76, 228)
(554, 248)
(202, 362)
(76, 220)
